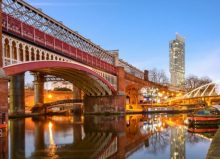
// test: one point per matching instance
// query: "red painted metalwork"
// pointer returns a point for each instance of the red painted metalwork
(23, 67)
(202, 130)
(25, 31)
(204, 118)
(3, 126)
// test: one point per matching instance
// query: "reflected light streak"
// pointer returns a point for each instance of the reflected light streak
(52, 146)
(50, 125)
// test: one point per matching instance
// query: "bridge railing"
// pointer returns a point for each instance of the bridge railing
(131, 69)
(22, 30)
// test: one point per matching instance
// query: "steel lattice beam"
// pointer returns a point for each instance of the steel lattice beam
(32, 16)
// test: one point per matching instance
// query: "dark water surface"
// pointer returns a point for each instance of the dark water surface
(131, 136)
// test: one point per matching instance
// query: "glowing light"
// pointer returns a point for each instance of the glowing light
(50, 96)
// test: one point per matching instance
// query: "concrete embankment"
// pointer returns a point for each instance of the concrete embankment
(214, 149)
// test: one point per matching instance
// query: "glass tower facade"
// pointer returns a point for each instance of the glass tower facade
(177, 61)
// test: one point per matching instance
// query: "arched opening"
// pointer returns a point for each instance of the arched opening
(21, 52)
(43, 56)
(150, 95)
(38, 55)
(132, 93)
(47, 56)
(27, 53)
(7, 49)
(14, 51)
(32, 54)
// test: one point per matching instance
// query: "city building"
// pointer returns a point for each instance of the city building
(177, 61)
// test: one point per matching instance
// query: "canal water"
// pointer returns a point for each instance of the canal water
(132, 136)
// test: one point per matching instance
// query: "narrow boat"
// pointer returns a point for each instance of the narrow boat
(207, 116)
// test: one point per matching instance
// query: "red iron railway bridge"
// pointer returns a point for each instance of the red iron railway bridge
(33, 41)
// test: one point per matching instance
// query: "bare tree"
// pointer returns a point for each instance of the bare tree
(193, 82)
(158, 76)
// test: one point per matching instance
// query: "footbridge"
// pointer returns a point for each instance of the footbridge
(33, 41)
(65, 105)
(208, 94)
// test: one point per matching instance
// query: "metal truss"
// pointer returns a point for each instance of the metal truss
(36, 18)
(210, 89)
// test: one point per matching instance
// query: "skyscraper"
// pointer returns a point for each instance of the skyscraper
(177, 61)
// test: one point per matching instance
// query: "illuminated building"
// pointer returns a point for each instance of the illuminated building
(177, 61)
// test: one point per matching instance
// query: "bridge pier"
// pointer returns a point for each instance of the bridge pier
(38, 88)
(120, 80)
(108, 104)
(104, 104)
(17, 104)
(76, 93)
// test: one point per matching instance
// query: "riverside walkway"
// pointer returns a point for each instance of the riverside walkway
(214, 152)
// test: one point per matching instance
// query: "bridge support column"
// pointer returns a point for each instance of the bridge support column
(17, 104)
(104, 104)
(121, 80)
(76, 93)
(38, 88)
(108, 104)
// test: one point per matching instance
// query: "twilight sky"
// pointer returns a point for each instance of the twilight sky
(142, 29)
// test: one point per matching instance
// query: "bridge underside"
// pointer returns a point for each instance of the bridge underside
(91, 83)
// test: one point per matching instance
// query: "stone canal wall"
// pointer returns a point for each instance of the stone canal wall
(214, 149)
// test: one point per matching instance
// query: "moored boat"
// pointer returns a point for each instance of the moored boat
(207, 116)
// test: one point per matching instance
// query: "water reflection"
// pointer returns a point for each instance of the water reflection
(132, 136)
